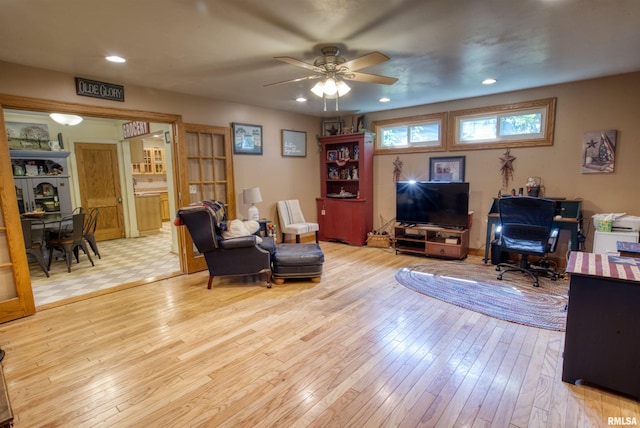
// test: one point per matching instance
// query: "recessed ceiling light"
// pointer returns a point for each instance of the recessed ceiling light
(115, 58)
(301, 99)
(384, 100)
(489, 81)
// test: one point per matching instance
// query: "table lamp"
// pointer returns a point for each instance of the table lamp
(252, 196)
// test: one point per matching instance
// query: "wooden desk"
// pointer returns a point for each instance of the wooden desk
(569, 209)
(601, 342)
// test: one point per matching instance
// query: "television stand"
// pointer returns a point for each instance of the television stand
(431, 241)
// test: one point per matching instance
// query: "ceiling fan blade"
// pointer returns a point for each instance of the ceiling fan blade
(296, 62)
(370, 78)
(299, 79)
(365, 61)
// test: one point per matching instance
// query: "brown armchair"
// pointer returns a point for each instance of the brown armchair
(235, 256)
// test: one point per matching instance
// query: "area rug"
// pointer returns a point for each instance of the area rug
(477, 288)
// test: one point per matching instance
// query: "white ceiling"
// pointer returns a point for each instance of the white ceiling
(440, 49)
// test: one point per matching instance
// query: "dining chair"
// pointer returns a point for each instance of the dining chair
(33, 231)
(69, 244)
(89, 231)
(68, 227)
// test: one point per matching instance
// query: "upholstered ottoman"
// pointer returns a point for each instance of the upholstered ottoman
(297, 261)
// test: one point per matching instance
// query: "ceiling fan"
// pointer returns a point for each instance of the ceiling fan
(334, 70)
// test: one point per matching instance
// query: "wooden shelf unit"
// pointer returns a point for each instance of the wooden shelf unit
(346, 164)
(431, 241)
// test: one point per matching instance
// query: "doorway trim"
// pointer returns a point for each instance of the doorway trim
(16, 249)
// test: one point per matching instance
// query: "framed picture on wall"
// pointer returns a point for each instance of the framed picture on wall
(446, 169)
(247, 139)
(331, 127)
(599, 151)
(294, 143)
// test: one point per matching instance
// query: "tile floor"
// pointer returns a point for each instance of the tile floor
(123, 261)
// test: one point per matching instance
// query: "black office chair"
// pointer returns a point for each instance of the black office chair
(526, 229)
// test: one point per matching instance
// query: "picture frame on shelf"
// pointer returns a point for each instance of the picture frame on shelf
(294, 143)
(447, 168)
(247, 139)
(331, 128)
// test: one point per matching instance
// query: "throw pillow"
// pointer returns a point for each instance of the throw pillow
(237, 228)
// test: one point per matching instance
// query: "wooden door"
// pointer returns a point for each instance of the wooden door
(99, 183)
(206, 172)
(16, 296)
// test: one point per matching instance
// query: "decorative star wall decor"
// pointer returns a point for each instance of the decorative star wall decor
(507, 168)
(397, 169)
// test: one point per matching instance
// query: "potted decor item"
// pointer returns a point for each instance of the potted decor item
(533, 186)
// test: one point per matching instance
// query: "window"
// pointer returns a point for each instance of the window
(411, 134)
(524, 124)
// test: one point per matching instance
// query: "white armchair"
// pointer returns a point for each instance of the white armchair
(292, 220)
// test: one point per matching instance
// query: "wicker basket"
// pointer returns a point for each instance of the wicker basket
(380, 241)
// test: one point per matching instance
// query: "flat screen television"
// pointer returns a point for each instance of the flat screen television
(437, 203)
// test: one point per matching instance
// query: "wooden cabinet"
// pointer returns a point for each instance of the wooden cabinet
(153, 162)
(345, 209)
(46, 188)
(601, 344)
(432, 241)
(148, 213)
(164, 207)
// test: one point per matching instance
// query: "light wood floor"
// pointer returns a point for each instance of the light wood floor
(357, 350)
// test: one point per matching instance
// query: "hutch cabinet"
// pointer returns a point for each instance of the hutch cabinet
(345, 209)
(42, 181)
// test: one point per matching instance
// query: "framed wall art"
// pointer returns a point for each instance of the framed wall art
(446, 169)
(599, 151)
(331, 127)
(294, 143)
(27, 136)
(247, 139)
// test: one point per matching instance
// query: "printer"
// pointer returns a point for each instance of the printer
(624, 228)
(621, 222)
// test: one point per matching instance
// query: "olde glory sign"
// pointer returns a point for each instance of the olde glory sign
(135, 129)
(95, 89)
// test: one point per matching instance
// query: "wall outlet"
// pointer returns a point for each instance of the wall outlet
(322, 212)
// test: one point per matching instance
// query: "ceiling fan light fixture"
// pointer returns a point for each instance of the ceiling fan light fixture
(318, 89)
(66, 119)
(330, 86)
(343, 88)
